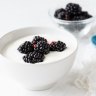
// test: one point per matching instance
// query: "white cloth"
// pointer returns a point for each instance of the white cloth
(87, 76)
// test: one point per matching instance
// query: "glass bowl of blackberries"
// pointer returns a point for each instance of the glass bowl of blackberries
(73, 18)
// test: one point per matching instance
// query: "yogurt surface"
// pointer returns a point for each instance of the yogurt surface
(10, 50)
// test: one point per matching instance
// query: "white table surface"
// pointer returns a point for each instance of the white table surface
(22, 13)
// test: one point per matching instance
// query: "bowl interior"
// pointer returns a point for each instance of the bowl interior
(49, 33)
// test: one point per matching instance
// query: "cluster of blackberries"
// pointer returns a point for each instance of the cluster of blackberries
(72, 12)
(37, 49)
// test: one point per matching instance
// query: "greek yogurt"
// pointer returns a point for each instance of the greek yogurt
(10, 50)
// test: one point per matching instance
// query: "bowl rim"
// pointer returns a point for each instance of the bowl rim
(91, 19)
(40, 63)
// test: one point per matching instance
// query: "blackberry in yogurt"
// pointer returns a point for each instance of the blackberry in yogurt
(39, 47)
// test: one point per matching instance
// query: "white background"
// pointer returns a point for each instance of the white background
(22, 13)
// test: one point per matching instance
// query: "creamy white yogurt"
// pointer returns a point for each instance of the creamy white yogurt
(10, 50)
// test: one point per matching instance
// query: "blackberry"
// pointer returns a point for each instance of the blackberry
(89, 16)
(86, 15)
(57, 46)
(42, 47)
(60, 13)
(37, 39)
(60, 46)
(73, 9)
(33, 57)
(26, 47)
(53, 46)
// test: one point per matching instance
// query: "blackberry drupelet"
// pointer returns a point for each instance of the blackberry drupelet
(33, 57)
(26, 47)
(37, 39)
(73, 9)
(42, 47)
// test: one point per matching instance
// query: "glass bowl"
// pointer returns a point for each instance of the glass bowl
(79, 28)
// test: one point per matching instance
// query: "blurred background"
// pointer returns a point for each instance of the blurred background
(21, 13)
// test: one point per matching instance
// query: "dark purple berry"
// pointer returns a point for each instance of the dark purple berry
(26, 47)
(57, 46)
(37, 39)
(59, 13)
(60, 46)
(53, 46)
(86, 15)
(33, 57)
(73, 9)
(42, 47)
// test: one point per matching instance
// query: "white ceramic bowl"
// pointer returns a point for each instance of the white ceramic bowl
(38, 76)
